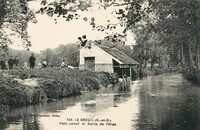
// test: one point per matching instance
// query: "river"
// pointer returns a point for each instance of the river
(164, 102)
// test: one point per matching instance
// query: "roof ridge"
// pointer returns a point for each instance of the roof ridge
(120, 55)
(120, 51)
(103, 46)
(114, 49)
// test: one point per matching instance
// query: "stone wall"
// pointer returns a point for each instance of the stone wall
(104, 67)
(101, 68)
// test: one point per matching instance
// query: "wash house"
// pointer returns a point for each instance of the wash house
(101, 58)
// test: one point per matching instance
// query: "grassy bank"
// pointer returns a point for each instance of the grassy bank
(141, 72)
(53, 83)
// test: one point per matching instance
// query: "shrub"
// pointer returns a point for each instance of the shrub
(142, 72)
(192, 75)
(55, 83)
(13, 96)
(38, 95)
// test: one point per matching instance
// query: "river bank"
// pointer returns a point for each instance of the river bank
(31, 86)
(192, 75)
(144, 72)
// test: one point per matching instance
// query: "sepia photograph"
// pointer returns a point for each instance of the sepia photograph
(99, 64)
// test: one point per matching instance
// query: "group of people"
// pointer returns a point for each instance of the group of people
(13, 63)
(32, 60)
(42, 64)
(10, 64)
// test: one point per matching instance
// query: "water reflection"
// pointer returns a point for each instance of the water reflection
(30, 122)
(171, 104)
(26, 118)
(89, 105)
(165, 102)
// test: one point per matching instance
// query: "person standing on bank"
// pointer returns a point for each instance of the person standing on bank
(3, 64)
(16, 62)
(32, 61)
(10, 63)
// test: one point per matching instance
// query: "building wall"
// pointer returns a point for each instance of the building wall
(104, 67)
(101, 57)
(103, 60)
(101, 67)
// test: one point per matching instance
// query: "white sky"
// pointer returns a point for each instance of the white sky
(46, 34)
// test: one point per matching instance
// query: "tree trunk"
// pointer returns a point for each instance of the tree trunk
(182, 56)
(140, 60)
(144, 63)
(196, 36)
(160, 62)
(191, 61)
(188, 56)
(153, 61)
(197, 55)
(197, 60)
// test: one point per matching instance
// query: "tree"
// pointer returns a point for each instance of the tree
(176, 24)
(49, 56)
(14, 16)
(185, 16)
(69, 53)
(54, 57)
(22, 55)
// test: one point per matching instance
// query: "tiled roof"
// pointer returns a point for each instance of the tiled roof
(119, 55)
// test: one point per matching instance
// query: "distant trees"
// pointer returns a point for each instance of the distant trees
(22, 55)
(179, 26)
(54, 57)
(68, 52)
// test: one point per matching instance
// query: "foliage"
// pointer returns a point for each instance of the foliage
(2, 11)
(22, 55)
(13, 94)
(167, 32)
(54, 83)
(63, 82)
(113, 78)
(193, 76)
(14, 16)
(54, 57)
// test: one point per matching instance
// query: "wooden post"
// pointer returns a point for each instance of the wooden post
(130, 73)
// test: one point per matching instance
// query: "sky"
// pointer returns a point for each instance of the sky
(46, 34)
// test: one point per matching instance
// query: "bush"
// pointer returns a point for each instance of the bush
(157, 71)
(192, 75)
(113, 78)
(56, 83)
(13, 94)
(38, 95)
